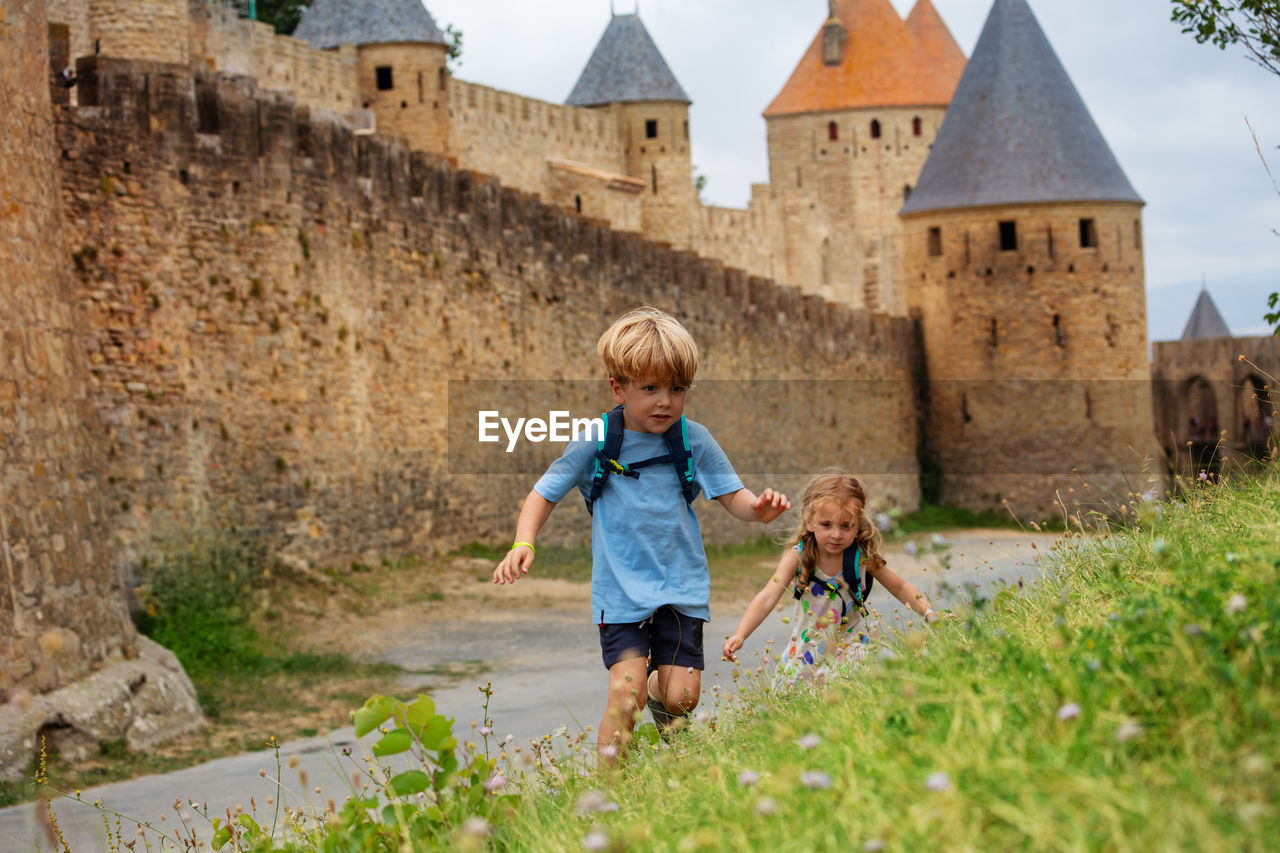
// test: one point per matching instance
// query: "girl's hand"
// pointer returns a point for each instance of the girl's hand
(770, 505)
(730, 648)
(514, 564)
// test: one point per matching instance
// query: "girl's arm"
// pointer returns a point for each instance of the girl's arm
(764, 602)
(533, 515)
(904, 591)
(745, 506)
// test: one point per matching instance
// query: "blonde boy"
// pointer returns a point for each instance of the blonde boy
(650, 589)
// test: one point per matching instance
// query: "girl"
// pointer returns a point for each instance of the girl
(833, 549)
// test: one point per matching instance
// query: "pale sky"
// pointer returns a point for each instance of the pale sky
(1173, 112)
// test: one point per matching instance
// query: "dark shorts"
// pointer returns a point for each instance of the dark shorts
(666, 637)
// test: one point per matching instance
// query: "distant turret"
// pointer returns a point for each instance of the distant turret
(401, 63)
(1024, 266)
(627, 75)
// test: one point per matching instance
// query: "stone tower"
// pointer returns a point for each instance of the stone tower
(848, 135)
(400, 63)
(1025, 270)
(628, 76)
(72, 668)
(158, 30)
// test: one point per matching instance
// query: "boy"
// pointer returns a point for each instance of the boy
(650, 589)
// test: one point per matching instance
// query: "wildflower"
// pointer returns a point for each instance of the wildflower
(293, 761)
(809, 741)
(1202, 476)
(816, 779)
(1236, 603)
(939, 781)
(591, 802)
(937, 539)
(610, 751)
(1148, 496)
(883, 522)
(1232, 556)
(476, 827)
(766, 806)
(486, 731)
(509, 739)
(496, 782)
(1160, 547)
(1127, 731)
(1192, 630)
(1069, 711)
(911, 549)
(596, 840)
(873, 845)
(747, 778)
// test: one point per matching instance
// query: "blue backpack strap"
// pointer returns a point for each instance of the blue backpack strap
(858, 582)
(677, 439)
(607, 452)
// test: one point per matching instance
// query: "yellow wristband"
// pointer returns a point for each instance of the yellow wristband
(528, 545)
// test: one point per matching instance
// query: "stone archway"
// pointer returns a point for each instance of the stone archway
(1199, 411)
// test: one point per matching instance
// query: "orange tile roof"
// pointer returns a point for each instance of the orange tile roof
(884, 64)
(939, 46)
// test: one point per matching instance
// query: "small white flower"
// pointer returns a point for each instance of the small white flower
(1237, 603)
(939, 781)
(883, 522)
(610, 751)
(1232, 556)
(486, 731)
(816, 779)
(1094, 665)
(1127, 731)
(591, 802)
(911, 549)
(937, 539)
(1148, 497)
(703, 716)
(1192, 630)
(809, 741)
(873, 845)
(765, 806)
(596, 840)
(509, 739)
(496, 782)
(747, 778)
(476, 827)
(1160, 547)
(1069, 711)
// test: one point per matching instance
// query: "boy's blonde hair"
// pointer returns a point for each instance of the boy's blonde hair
(647, 342)
(847, 493)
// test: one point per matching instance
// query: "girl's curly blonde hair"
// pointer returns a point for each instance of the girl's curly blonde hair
(848, 494)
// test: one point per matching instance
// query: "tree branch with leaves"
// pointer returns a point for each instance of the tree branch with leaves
(1255, 24)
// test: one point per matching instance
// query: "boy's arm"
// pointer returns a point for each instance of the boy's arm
(764, 602)
(904, 591)
(533, 515)
(745, 506)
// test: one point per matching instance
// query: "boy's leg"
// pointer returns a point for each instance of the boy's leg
(676, 682)
(627, 694)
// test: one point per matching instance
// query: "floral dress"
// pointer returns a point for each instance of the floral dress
(818, 638)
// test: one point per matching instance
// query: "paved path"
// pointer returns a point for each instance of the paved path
(533, 695)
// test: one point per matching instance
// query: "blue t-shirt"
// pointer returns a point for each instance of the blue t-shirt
(646, 545)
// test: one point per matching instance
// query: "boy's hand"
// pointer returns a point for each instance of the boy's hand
(730, 648)
(514, 564)
(770, 505)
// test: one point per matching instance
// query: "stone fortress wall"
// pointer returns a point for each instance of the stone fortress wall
(274, 314)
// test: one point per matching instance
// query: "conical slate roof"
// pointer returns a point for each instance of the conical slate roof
(883, 66)
(1017, 130)
(329, 23)
(1205, 321)
(626, 67)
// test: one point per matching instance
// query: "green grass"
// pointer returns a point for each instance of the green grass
(1174, 746)
(932, 518)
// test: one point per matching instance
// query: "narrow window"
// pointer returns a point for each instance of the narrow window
(966, 248)
(906, 193)
(935, 242)
(1048, 233)
(964, 408)
(383, 74)
(1008, 236)
(917, 127)
(1088, 234)
(1137, 234)
(799, 182)
(875, 128)
(995, 333)
(422, 99)
(833, 131)
(1088, 405)
(441, 78)
(651, 128)
(653, 174)
(686, 129)
(577, 200)
(1057, 330)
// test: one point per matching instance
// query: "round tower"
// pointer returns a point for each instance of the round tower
(628, 76)
(159, 30)
(848, 134)
(401, 58)
(1024, 268)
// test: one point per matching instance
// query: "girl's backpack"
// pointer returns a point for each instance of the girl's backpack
(859, 585)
